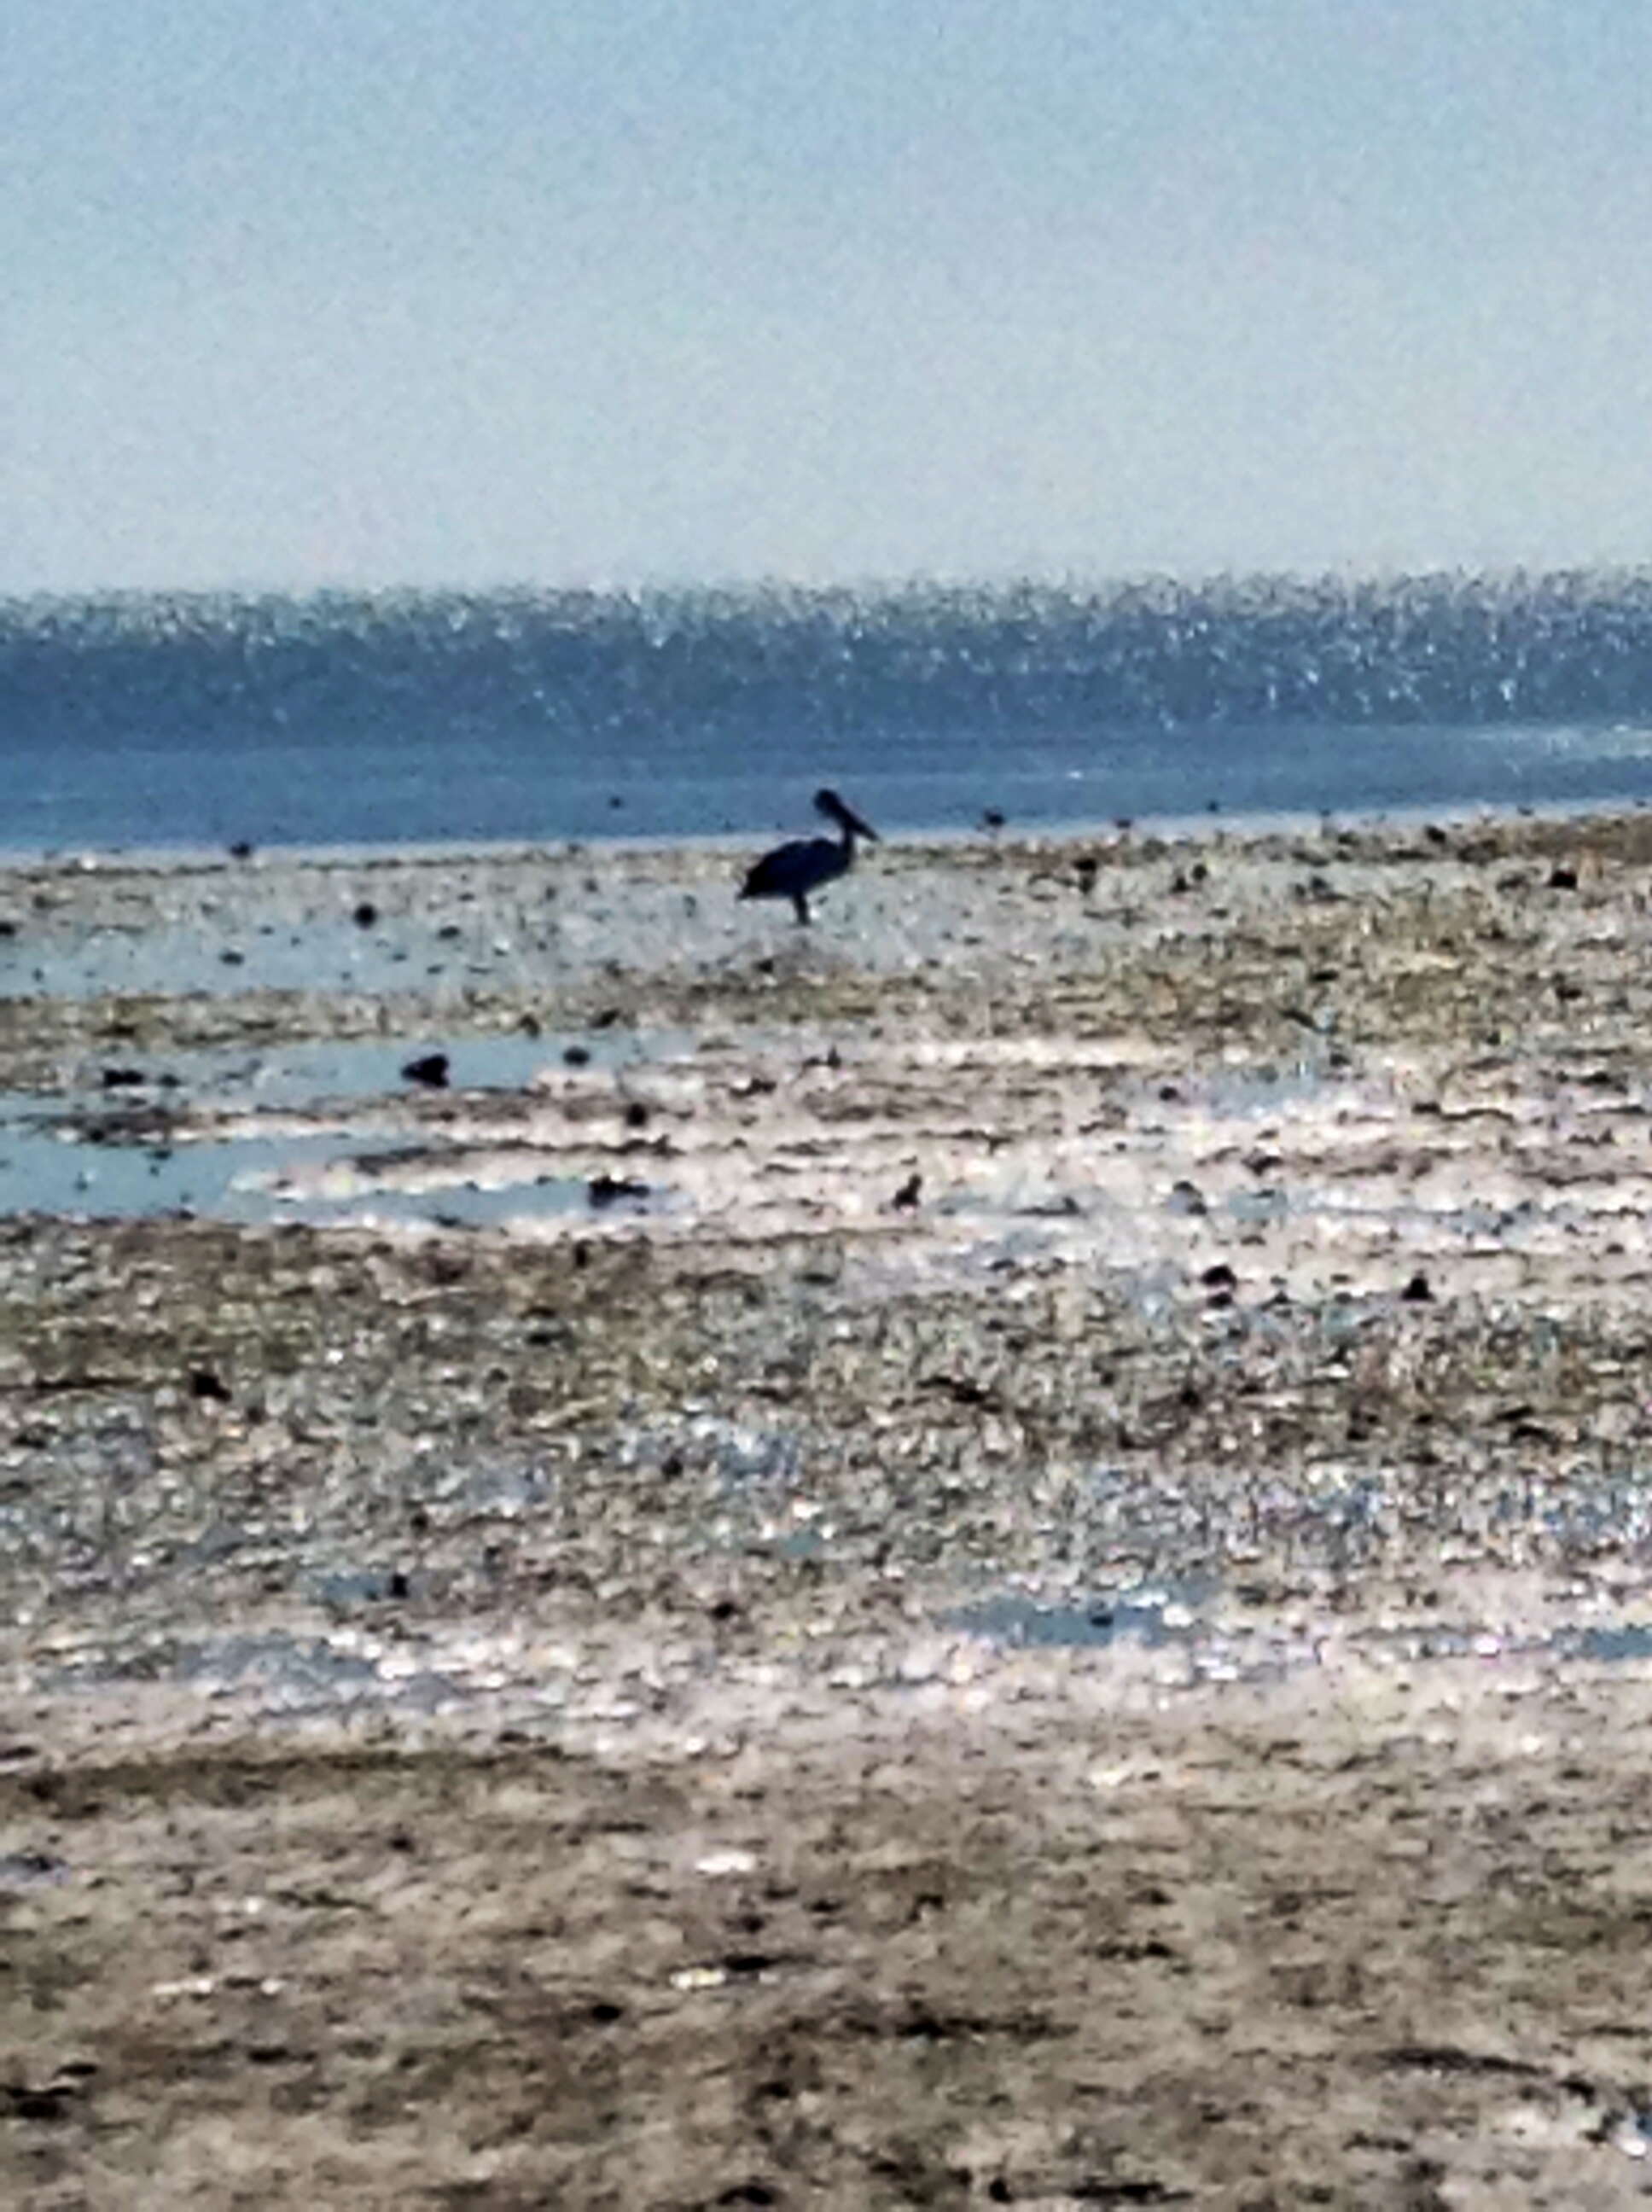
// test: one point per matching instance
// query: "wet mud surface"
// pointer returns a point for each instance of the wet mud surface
(997, 1552)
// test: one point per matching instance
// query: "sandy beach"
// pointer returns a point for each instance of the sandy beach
(994, 1553)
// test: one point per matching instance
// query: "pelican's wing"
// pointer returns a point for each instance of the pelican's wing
(775, 875)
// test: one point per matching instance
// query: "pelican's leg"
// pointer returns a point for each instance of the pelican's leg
(801, 903)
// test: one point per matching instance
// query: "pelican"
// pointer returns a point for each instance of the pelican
(793, 870)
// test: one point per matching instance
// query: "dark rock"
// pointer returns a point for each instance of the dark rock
(606, 1189)
(26, 2103)
(430, 1068)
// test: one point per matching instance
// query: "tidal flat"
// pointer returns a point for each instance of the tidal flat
(997, 1551)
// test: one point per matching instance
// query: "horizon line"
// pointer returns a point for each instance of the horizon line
(1072, 585)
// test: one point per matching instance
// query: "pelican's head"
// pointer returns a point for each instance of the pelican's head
(829, 803)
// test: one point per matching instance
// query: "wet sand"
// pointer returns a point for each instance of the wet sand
(995, 1553)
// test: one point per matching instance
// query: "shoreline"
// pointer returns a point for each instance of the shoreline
(1255, 826)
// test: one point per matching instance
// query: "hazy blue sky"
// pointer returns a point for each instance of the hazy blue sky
(559, 290)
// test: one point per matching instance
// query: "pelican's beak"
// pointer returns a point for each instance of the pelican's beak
(851, 820)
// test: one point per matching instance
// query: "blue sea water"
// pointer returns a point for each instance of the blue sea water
(197, 720)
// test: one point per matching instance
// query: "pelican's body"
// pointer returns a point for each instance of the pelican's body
(793, 870)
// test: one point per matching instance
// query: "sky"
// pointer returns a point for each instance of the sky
(476, 292)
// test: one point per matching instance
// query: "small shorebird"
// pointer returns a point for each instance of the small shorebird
(793, 870)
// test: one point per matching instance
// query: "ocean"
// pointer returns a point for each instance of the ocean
(200, 720)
